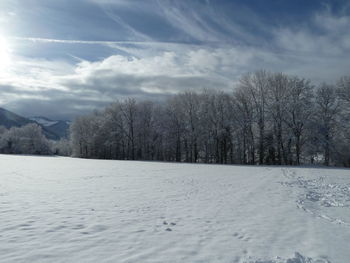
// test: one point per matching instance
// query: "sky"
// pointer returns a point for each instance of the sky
(64, 58)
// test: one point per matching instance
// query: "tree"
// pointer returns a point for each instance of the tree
(145, 131)
(327, 109)
(277, 103)
(342, 142)
(256, 86)
(344, 88)
(61, 147)
(129, 114)
(299, 111)
(28, 139)
(270, 118)
(243, 114)
(189, 102)
(82, 133)
(174, 127)
(114, 125)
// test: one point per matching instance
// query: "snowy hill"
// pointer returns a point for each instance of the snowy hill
(43, 121)
(61, 128)
(76, 210)
(58, 127)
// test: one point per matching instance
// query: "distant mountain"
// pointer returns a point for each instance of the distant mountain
(58, 127)
(10, 119)
(61, 128)
(43, 121)
(53, 130)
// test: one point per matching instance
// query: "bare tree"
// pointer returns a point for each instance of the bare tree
(299, 111)
(129, 114)
(270, 118)
(256, 86)
(327, 108)
(277, 100)
(189, 102)
(344, 88)
(243, 114)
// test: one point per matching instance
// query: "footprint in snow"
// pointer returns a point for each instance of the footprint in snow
(171, 224)
(241, 237)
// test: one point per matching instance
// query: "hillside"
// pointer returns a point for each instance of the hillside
(76, 210)
(10, 119)
(55, 131)
(58, 127)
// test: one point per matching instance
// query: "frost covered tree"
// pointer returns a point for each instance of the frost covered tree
(344, 88)
(269, 118)
(115, 142)
(343, 137)
(243, 114)
(173, 128)
(299, 111)
(28, 139)
(189, 104)
(129, 114)
(327, 110)
(216, 125)
(83, 132)
(278, 100)
(61, 147)
(256, 85)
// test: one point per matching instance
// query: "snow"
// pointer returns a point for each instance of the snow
(43, 121)
(55, 209)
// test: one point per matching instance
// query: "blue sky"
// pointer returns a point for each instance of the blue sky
(62, 58)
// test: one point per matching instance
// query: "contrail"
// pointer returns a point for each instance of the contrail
(97, 42)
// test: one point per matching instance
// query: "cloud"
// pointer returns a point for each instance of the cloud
(115, 77)
(207, 23)
(328, 35)
(321, 50)
(145, 67)
(86, 85)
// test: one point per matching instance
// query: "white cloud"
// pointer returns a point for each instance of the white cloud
(151, 69)
(156, 73)
(327, 35)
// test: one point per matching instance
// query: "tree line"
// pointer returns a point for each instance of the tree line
(269, 118)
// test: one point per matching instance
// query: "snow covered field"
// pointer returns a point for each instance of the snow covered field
(73, 210)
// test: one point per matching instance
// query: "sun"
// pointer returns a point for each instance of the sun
(5, 53)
